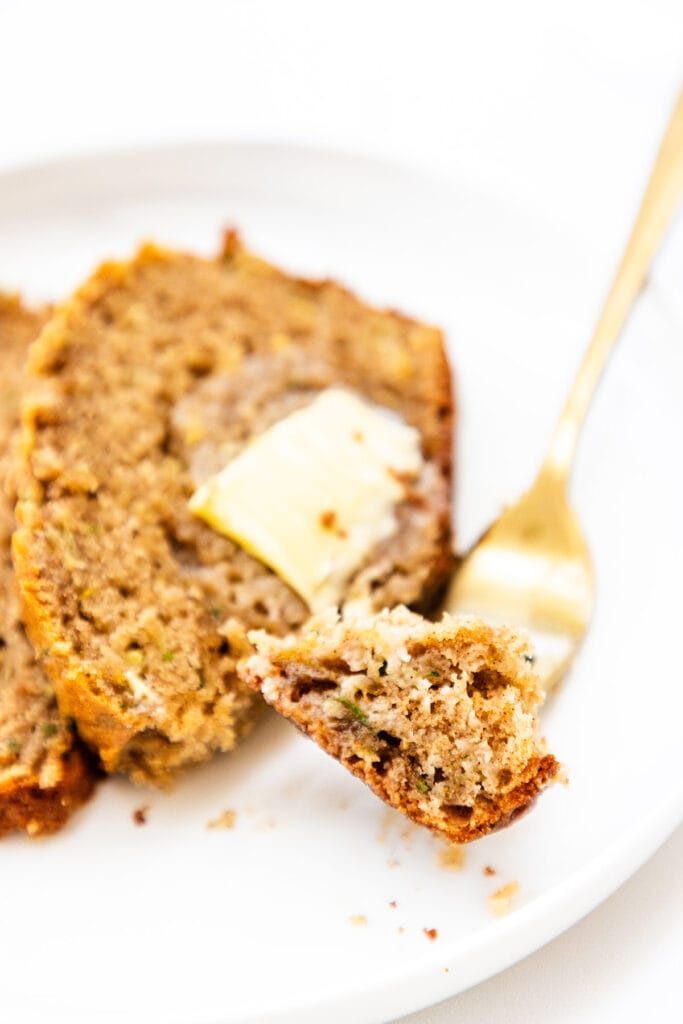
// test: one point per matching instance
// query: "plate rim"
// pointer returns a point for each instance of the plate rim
(506, 942)
(550, 914)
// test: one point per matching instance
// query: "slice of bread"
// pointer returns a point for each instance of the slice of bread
(146, 382)
(45, 772)
(439, 719)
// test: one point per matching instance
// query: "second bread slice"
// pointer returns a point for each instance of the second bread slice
(45, 771)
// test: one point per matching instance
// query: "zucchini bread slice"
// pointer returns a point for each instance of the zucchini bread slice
(439, 719)
(45, 772)
(144, 384)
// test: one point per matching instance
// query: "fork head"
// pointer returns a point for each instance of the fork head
(532, 569)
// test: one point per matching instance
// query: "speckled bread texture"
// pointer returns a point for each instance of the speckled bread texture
(150, 378)
(45, 772)
(439, 719)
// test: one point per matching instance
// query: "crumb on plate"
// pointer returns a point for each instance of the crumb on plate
(224, 820)
(140, 815)
(500, 902)
(451, 857)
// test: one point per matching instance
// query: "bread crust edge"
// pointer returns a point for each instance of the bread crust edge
(27, 806)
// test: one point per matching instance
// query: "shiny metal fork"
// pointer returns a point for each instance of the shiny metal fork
(532, 567)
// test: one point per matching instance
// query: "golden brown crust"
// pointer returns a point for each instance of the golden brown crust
(27, 806)
(145, 737)
(487, 815)
(45, 772)
(78, 700)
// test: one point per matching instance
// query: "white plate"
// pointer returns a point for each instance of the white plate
(174, 922)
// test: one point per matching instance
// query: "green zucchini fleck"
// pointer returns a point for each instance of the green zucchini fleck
(357, 713)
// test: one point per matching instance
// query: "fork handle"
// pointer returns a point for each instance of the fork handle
(662, 196)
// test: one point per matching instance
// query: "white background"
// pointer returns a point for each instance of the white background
(557, 107)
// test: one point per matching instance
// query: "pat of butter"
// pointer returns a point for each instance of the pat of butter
(313, 494)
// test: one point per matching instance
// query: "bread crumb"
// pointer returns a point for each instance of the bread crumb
(401, 931)
(393, 904)
(500, 902)
(359, 919)
(431, 933)
(392, 863)
(140, 815)
(489, 871)
(451, 857)
(224, 820)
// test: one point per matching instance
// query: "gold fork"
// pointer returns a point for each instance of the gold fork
(532, 567)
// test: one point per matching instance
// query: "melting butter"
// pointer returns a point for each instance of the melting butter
(314, 493)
